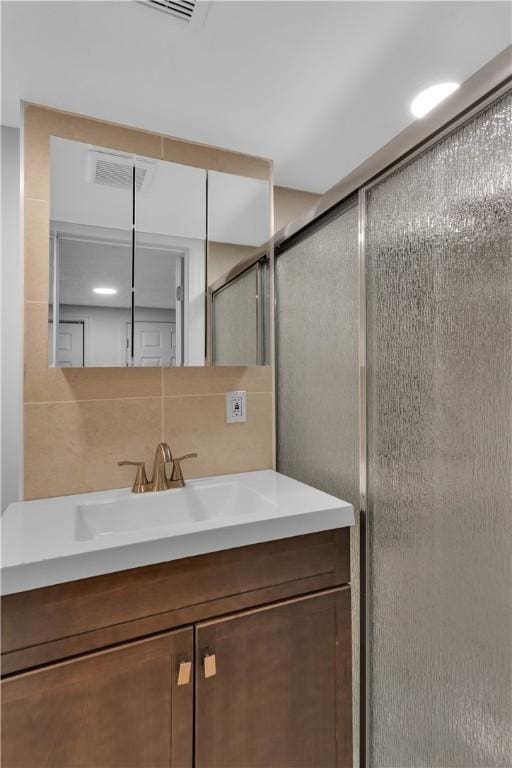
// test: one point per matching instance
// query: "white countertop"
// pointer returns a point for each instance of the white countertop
(43, 541)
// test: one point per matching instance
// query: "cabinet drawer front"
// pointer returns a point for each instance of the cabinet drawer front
(120, 708)
(67, 610)
(279, 690)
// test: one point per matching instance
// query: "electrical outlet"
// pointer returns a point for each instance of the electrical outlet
(236, 407)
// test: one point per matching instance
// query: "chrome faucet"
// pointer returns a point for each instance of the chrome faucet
(159, 481)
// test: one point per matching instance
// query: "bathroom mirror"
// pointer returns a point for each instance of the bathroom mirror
(238, 269)
(91, 201)
(170, 268)
(130, 266)
(127, 259)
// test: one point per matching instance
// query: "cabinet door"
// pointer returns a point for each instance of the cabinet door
(274, 686)
(121, 708)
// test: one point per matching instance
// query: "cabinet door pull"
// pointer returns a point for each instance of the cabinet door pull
(184, 670)
(210, 667)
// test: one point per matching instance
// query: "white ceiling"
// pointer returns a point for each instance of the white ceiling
(317, 86)
(84, 266)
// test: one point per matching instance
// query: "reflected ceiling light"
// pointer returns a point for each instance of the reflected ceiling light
(105, 291)
(431, 97)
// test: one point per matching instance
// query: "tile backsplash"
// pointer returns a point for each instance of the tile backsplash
(79, 422)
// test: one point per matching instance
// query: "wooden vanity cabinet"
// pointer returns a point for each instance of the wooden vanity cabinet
(269, 684)
(281, 694)
(119, 708)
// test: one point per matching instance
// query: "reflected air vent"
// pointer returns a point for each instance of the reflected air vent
(179, 9)
(116, 171)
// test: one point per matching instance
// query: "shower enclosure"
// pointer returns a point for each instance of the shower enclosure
(394, 391)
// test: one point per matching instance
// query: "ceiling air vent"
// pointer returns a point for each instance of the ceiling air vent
(192, 12)
(180, 9)
(116, 171)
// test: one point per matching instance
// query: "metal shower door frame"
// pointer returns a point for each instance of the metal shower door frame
(365, 512)
(261, 264)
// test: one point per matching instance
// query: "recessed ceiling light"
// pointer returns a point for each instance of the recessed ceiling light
(105, 291)
(431, 97)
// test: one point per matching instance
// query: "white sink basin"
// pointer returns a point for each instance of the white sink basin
(51, 541)
(174, 509)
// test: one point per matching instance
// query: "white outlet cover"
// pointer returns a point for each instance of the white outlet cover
(236, 407)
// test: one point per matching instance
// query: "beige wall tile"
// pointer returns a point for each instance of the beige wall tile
(217, 380)
(223, 256)
(74, 447)
(215, 159)
(77, 424)
(36, 159)
(44, 384)
(36, 250)
(291, 203)
(198, 424)
(41, 123)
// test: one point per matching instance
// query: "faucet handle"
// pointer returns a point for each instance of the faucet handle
(141, 482)
(177, 474)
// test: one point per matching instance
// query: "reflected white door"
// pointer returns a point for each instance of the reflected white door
(70, 345)
(154, 344)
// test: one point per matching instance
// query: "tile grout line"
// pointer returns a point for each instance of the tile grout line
(92, 400)
(162, 404)
(220, 394)
(136, 397)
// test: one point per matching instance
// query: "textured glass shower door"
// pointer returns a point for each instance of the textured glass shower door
(317, 316)
(438, 246)
(317, 319)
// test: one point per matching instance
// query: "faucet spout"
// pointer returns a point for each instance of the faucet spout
(163, 456)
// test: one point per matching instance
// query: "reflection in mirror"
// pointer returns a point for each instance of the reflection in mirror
(239, 225)
(127, 259)
(169, 303)
(90, 255)
(240, 318)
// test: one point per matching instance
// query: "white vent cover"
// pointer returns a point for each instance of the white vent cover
(180, 9)
(191, 12)
(116, 171)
